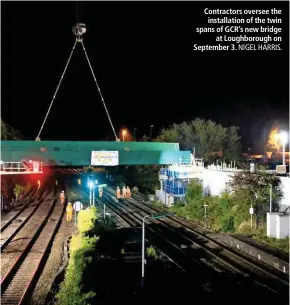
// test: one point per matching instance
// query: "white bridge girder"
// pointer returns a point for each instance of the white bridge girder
(20, 168)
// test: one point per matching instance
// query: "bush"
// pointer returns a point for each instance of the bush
(82, 247)
(71, 289)
(228, 224)
(87, 219)
(282, 244)
(135, 189)
(18, 189)
(245, 227)
(151, 252)
(159, 205)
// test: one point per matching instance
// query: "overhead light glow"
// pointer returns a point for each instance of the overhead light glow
(284, 137)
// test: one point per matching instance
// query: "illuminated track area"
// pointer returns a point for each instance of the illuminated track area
(171, 244)
(199, 246)
(17, 220)
(8, 217)
(276, 263)
(218, 239)
(25, 251)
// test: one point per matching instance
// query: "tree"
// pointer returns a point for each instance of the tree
(232, 148)
(18, 189)
(207, 137)
(254, 188)
(145, 138)
(9, 133)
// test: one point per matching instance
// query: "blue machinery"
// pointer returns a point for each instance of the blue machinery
(175, 178)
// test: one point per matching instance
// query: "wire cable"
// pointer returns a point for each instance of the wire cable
(38, 136)
(99, 89)
(77, 11)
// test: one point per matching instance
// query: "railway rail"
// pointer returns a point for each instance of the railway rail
(259, 255)
(24, 255)
(10, 216)
(229, 254)
(15, 224)
(198, 265)
(218, 253)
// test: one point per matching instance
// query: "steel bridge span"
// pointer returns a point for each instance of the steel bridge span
(78, 153)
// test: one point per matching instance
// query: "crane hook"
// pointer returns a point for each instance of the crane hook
(79, 29)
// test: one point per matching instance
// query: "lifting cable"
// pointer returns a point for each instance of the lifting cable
(71, 53)
(99, 90)
(79, 29)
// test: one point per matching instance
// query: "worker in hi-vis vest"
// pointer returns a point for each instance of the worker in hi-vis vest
(62, 197)
(69, 212)
(128, 192)
(124, 192)
(118, 193)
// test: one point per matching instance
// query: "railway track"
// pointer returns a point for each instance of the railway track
(266, 259)
(18, 221)
(247, 265)
(199, 268)
(279, 267)
(216, 251)
(263, 258)
(24, 255)
(9, 217)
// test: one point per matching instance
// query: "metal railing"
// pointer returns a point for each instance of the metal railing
(20, 168)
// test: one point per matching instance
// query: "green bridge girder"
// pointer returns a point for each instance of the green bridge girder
(77, 153)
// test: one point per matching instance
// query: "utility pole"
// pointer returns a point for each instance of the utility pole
(135, 134)
(90, 196)
(205, 216)
(271, 191)
(151, 126)
(143, 250)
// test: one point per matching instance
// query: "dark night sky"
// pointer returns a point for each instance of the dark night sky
(143, 58)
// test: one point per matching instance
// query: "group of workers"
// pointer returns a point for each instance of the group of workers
(126, 192)
(69, 208)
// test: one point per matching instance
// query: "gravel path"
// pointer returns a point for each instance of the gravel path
(53, 263)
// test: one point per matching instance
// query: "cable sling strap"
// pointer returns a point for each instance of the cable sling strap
(79, 29)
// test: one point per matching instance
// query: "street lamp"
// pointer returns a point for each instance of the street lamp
(124, 132)
(143, 242)
(151, 126)
(91, 186)
(283, 137)
(270, 193)
(135, 134)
